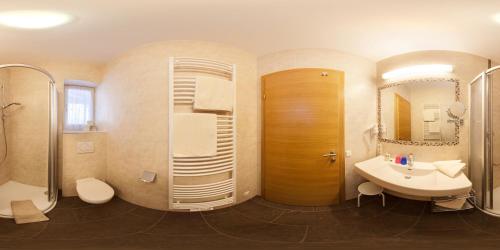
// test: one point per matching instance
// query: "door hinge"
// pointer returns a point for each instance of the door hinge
(264, 97)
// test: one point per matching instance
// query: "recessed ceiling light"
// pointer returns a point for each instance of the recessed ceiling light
(496, 17)
(33, 19)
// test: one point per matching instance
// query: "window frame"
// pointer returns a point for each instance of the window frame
(82, 86)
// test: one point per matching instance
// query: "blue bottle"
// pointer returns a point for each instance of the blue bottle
(404, 160)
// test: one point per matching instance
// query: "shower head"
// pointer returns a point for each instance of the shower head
(10, 104)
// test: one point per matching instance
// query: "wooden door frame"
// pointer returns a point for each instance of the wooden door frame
(340, 154)
(397, 123)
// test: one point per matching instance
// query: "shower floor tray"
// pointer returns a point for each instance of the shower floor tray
(15, 191)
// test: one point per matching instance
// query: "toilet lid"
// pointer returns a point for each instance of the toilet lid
(93, 190)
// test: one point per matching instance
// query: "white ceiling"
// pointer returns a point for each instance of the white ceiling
(372, 28)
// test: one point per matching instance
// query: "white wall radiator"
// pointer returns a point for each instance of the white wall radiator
(201, 183)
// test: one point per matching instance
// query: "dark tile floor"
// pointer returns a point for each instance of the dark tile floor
(255, 224)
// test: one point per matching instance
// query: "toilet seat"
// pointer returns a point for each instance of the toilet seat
(94, 191)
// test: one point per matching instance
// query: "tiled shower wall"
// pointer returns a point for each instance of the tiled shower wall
(4, 170)
(27, 127)
(495, 92)
(78, 165)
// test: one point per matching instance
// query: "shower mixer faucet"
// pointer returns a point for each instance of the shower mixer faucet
(10, 104)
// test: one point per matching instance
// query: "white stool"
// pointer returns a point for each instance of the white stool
(369, 188)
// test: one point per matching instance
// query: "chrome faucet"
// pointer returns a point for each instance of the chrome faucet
(3, 99)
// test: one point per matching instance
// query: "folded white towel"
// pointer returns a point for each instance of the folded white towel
(453, 204)
(195, 135)
(429, 115)
(445, 163)
(452, 169)
(213, 94)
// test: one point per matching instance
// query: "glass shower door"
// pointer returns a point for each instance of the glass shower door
(28, 137)
(477, 138)
(494, 180)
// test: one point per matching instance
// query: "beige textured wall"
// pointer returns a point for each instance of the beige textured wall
(466, 67)
(132, 107)
(77, 166)
(359, 93)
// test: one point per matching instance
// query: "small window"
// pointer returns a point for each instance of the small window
(79, 107)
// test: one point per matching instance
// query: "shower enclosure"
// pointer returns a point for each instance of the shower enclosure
(484, 141)
(28, 137)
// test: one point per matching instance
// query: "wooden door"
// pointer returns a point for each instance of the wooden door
(402, 118)
(303, 119)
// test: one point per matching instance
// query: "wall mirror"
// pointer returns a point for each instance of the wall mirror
(417, 112)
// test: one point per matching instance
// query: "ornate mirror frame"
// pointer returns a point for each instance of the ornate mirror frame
(417, 143)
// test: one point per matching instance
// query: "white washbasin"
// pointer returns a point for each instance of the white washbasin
(423, 181)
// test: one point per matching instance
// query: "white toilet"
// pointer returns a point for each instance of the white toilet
(94, 191)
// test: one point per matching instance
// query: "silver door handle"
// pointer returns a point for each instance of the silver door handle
(332, 155)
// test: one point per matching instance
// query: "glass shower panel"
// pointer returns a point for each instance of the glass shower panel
(28, 136)
(27, 127)
(477, 104)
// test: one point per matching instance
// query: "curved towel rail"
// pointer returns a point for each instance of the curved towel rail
(202, 206)
(182, 88)
(204, 158)
(196, 65)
